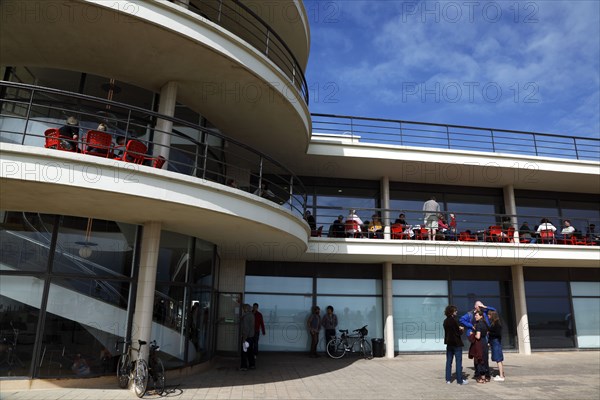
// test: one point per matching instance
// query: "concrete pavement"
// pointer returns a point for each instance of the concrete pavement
(543, 375)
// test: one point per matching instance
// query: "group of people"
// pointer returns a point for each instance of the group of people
(566, 231)
(484, 331)
(314, 324)
(252, 325)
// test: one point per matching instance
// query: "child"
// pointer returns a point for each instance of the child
(495, 335)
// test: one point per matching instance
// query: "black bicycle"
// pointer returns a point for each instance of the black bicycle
(350, 343)
(157, 369)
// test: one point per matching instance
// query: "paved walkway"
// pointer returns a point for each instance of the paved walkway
(552, 375)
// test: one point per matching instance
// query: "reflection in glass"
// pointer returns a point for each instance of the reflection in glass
(25, 241)
(20, 299)
(285, 321)
(550, 322)
(587, 320)
(585, 289)
(82, 326)
(94, 247)
(348, 286)
(275, 284)
(419, 287)
(418, 323)
(173, 257)
(354, 313)
(476, 289)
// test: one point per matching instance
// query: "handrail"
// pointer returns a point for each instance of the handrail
(127, 118)
(460, 137)
(287, 61)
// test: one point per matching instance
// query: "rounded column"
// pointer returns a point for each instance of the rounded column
(163, 128)
(524, 343)
(388, 310)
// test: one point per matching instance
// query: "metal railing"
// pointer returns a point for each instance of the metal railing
(474, 224)
(456, 137)
(28, 111)
(240, 20)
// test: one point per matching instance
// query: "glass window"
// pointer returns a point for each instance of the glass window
(82, 326)
(20, 300)
(473, 212)
(536, 208)
(170, 311)
(422, 287)
(585, 289)
(587, 321)
(354, 313)
(199, 325)
(285, 319)
(201, 271)
(173, 257)
(25, 241)
(94, 247)
(348, 286)
(545, 288)
(475, 288)
(418, 323)
(550, 322)
(276, 284)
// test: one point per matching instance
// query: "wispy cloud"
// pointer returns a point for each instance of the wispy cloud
(530, 67)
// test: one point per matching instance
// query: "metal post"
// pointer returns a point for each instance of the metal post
(493, 144)
(28, 114)
(260, 170)
(575, 144)
(448, 136)
(219, 13)
(400, 125)
(535, 144)
(205, 142)
(267, 49)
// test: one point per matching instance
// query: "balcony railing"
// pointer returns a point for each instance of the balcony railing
(27, 112)
(462, 226)
(456, 137)
(240, 20)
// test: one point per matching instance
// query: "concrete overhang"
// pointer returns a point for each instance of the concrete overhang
(449, 253)
(349, 158)
(148, 44)
(55, 182)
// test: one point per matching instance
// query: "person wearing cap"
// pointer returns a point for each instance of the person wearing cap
(69, 131)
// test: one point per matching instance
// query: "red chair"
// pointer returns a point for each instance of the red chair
(135, 152)
(493, 234)
(466, 237)
(397, 231)
(98, 143)
(352, 229)
(421, 234)
(54, 140)
(569, 240)
(158, 162)
(547, 236)
(509, 235)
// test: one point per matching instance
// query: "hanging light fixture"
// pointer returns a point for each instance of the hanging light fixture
(86, 250)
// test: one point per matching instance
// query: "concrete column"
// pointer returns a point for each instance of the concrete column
(511, 208)
(388, 310)
(385, 203)
(144, 301)
(163, 129)
(232, 279)
(518, 280)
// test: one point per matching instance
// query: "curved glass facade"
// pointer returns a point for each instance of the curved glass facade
(67, 294)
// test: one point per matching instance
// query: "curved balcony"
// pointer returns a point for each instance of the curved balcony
(199, 156)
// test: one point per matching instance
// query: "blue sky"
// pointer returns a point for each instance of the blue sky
(529, 65)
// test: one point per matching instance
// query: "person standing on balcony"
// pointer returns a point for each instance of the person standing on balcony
(431, 210)
(311, 223)
(354, 230)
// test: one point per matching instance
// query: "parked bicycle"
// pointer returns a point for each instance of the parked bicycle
(130, 368)
(157, 369)
(350, 343)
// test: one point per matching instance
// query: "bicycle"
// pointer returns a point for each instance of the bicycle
(157, 369)
(350, 343)
(137, 370)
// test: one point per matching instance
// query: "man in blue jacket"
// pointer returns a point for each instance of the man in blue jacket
(468, 320)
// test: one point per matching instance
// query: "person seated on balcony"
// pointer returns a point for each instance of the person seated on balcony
(232, 183)
(526, 233)
(401, 220)
(69, 131)
(353, 217)
(264, 191)
(591, 234)
(375, 228)
(97, 151)
(336, 229)
(311, 223)
(567, 231)
(506, 223)
(545, 225)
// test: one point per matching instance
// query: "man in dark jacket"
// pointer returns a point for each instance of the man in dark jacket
(454, 345)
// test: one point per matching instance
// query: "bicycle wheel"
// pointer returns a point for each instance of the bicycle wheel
(336, 348)
(158, 376)
(140, 378)
(365, 348)
(123, 371)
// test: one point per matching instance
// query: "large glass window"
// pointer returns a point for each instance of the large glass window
(25, 241)
(418, 314)
(586, 308)
(20, 300)
(549, 313)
